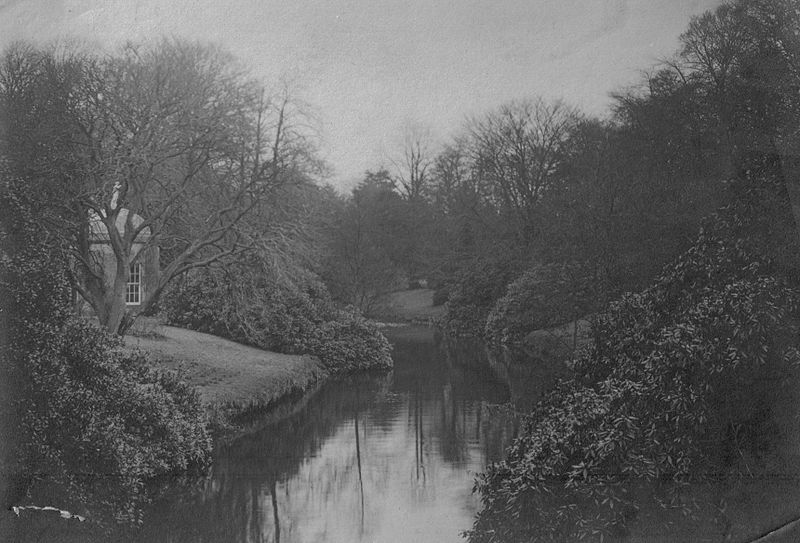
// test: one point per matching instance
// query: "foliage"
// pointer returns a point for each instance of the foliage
(269, 314)
(676, 382)
(196, 146)
(275, 312)
(349, 343)
(542, 297)
(440, 296)
(87, 412)
(94, 412)
(472, 294)
(33, 288)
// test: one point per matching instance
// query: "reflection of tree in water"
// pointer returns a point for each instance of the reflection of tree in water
(447, 388)
(242, 499)
(442, 406)
(345, 445)
(498, 376)
(358, 457)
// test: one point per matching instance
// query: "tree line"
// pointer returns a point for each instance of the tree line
(607, 201)
(170, 145)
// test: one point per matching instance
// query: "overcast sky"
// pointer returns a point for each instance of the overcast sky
(369, 67)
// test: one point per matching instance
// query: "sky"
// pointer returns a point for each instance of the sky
(369, 68)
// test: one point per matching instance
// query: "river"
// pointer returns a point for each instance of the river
(371, 458)
(392, 458)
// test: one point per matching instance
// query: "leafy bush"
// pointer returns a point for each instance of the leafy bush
(89, 416)
(275, 313)
(440, 296)
(272, 315)
(93, 411)
(542, 297)
(473, 293)
(672, 386)
(349, 343)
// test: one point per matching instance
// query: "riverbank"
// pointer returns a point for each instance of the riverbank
(232, 379)
(410, 306)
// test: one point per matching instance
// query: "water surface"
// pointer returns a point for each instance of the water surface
(372, 458)
(393, 457)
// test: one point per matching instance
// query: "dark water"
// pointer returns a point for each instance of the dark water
(374, 458)
(393, 457)
(382, 458)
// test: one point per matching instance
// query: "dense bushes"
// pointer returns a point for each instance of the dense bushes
(274, 312)
(89, 417)
(493, 300)
(93, 411)
(472, 294)
(676, 383)
(543, 297)
(348, 343)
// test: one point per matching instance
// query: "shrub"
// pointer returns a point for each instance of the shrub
(199, 303)
(94, 411)
(440, 296)
(671, 387)
(540, 298)
(473, 293)
(270, 314)
(546, 296)
(349, 343)
(275, 313)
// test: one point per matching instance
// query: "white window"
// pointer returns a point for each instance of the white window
(133, 290)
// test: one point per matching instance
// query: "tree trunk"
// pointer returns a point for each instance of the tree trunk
(115, 303)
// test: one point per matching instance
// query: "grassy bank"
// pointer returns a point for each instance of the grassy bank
(410, 306)
(231, 378)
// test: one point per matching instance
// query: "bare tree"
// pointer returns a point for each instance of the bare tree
(517, 150)
(364, 237)
(745, 55)
(411, 167)
(171, 144)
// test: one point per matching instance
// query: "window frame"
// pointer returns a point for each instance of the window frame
(133, 286)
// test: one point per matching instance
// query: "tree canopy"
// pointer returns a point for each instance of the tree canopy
(175, 133)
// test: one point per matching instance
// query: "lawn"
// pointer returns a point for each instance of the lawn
(227, 374)
(411, 305)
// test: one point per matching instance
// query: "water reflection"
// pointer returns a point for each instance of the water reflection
(381, 458)
(370, 458)
(392, 458)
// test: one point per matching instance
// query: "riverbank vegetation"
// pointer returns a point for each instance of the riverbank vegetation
(84, 412)
(676, 386)
(259, 304)
(668, 224)
(169, 148)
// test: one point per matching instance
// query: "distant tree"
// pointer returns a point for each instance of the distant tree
(363, 236)
(517, 150)
(745, 57)
(450, 174)
(412, 165)
(174, 133)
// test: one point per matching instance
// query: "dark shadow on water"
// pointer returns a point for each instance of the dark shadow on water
(371, 457)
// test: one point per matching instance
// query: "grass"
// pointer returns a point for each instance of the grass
(411, 306)
(232, 378)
